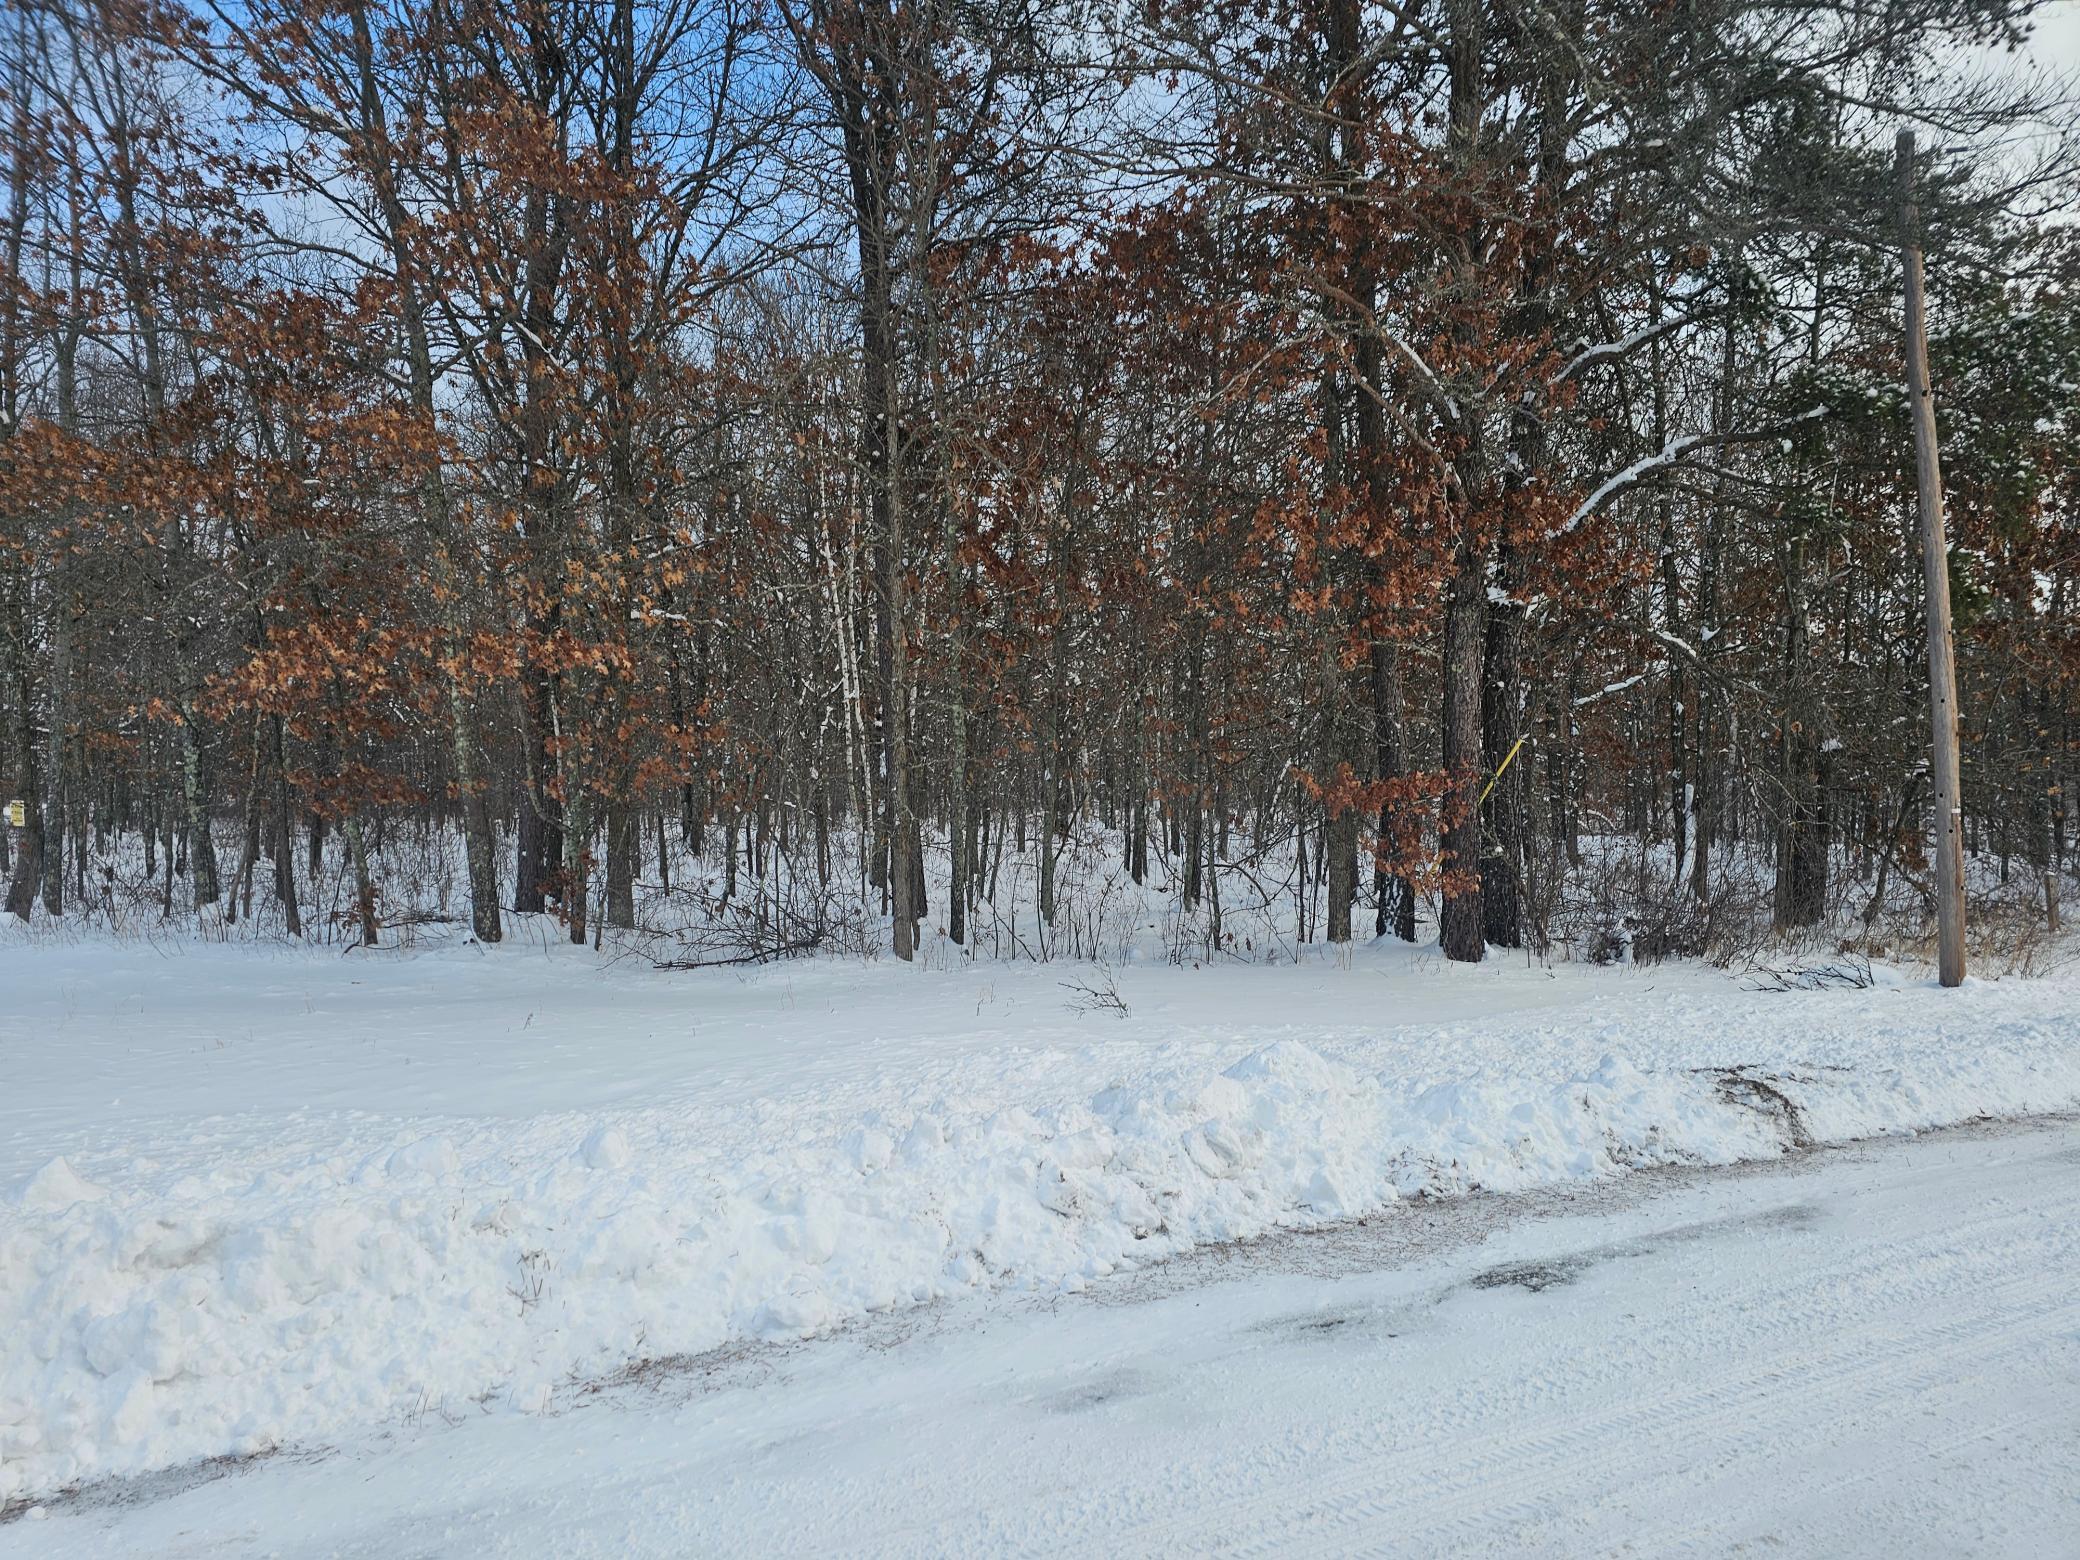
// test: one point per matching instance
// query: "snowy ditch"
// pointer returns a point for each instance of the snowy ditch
(232, 1312)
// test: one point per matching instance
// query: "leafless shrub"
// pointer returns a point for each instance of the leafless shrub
(1848, 970)
(1613, 911)
(1099, 994)
(785, 919)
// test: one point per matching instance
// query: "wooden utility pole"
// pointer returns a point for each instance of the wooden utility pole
(1935, 569)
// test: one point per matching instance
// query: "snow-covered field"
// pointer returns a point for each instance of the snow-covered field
(253, 1200)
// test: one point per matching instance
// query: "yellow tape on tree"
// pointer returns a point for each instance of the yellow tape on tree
(1499, 768)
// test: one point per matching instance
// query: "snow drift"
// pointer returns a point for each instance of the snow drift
(237, 1310)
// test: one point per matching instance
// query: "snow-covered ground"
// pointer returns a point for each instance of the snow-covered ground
(1865, 1352)
(253, 1201)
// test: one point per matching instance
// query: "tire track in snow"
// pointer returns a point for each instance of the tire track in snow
(1646, 1454)
(1514, 1479)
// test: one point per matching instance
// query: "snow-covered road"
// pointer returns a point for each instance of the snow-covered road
(1867, 1350)
(252, 1204)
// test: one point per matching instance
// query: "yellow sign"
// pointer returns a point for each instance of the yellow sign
(17, 815)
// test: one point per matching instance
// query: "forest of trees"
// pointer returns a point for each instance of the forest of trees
(1415, 443)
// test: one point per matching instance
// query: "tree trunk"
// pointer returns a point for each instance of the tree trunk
(621, 865)
(284, 836)
(196, 796)
(538, 826)
(61, 776)
(1393, 898)
(1502, 728)
(364, 887)
(1461, 925)
(21, 650)
(1340, 817)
